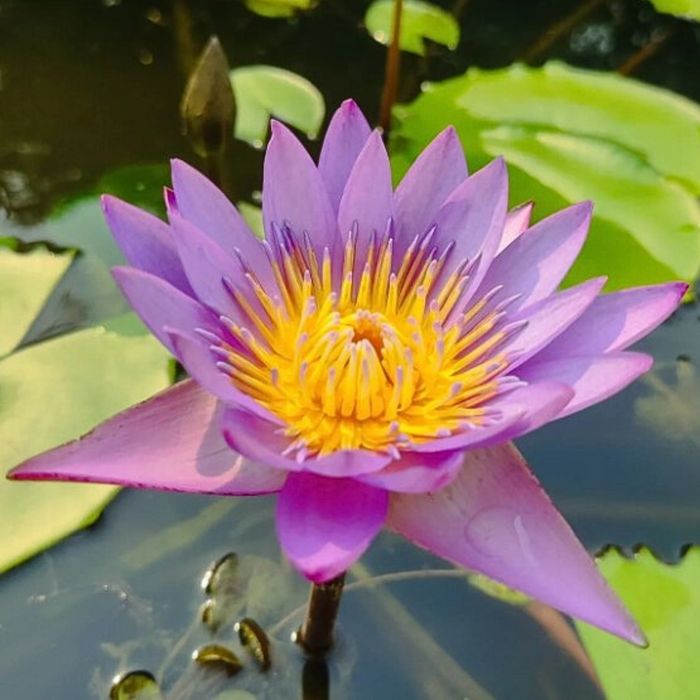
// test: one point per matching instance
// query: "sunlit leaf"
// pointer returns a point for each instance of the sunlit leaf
(253, 217)
(53, 392)
(26, 281)
(665, 600)
(419, 21)
(279, 8)
(681, 8)
(568, 135)
(263, 92)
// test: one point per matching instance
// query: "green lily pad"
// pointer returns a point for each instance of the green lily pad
(53, 392)
(263, 92)
(419, 21)
(665, 600)
(690, 9)
(570, 134)
(279, 8)
(26, 282)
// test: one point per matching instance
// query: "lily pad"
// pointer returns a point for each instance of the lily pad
(263, 92)
(419, 21)
(665, 599)
(53, 392)
(279, 8)
(26, 282)
(570, 134)
(690, 9)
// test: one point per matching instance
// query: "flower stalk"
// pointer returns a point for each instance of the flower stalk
(391, 75)
(316, 633)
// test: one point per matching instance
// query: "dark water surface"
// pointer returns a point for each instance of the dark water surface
(90, 87)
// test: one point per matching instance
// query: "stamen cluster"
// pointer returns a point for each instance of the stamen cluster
(388, 359)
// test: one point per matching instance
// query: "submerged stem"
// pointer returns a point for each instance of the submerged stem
(316, 633)
(391, 74)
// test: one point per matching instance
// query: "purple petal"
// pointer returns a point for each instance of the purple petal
(202, 203)
(206, 264)
(473, 217)
(536, 262)
(417, 472)
(145, 241)
(522, 410)
(617, 320)
(171, 442)
(345, 137)
(539, 403)
(367, 198)
(517, 222)
(548, 318)
(294, 193)
(593, 379)
(200, 364)
(161, 305)
(435, 174)
(261, 440)
(325, 525)
(496, 520)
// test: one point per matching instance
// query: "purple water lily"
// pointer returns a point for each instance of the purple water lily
(372, 359)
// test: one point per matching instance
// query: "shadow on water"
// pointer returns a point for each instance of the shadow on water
(90, 87)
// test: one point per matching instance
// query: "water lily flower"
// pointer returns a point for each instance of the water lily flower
(372, 359)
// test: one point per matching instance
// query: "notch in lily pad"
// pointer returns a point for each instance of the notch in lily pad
(263, 92)
(419, 21)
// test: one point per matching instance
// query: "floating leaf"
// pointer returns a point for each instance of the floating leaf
(689, 9)
(279, 8)
(419, 21)
(265, 91)
(571, 134)
(53, 392)
(666, 602)
(26, 282)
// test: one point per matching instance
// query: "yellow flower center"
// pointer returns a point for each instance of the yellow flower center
(383, 363)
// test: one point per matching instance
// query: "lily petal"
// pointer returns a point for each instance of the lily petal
(417, 472)
(200, 364)
(593, 379)
(496, 520)
(368, 196)
(434, 175)
(206, 264)
(617, 320)
(522, 410)
(347, 134)
(260, 439)
(294, 192)
(145, 241)
(171, 442)
(517, 222)
(548, 318)
(472, 218)
(160, 305)
(202, 203)
(325, 525)
(534, 264)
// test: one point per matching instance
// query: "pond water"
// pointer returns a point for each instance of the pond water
(91, 87)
